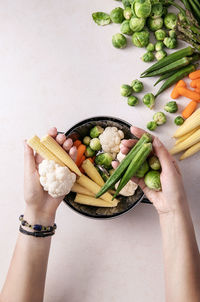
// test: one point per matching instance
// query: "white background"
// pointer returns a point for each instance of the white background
(58, 67)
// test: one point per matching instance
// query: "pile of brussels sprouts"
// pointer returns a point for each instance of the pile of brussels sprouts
(138, 19)
(127, 91)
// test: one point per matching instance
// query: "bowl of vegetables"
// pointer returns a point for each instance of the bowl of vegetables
(98, 141)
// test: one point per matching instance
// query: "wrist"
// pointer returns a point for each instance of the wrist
(38, 217)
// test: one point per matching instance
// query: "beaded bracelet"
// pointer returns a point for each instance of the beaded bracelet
(37, 227)
(36, 234)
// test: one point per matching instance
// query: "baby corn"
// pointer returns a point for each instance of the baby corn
(92, 201)
(189, 142)
(191, 151)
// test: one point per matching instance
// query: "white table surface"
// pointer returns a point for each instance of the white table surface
(57, 68)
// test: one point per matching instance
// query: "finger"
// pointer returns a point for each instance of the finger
(176, 165)
(137, 131)
(73, 153)
(38, 159)
(128, 143)
(163, 155)
(115, 164)
(29, 159)
(53, 131)
(68, 144)
(61, 138)
(124, 150)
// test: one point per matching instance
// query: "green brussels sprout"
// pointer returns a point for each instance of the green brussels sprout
(159, 45)
(126, 3)
(172, 33)
(160, 55)
(160, 34)
(150, 47)
(101, 18)
(103, 159)
(170, 21)
(154, 163)
(95, 144)
(179, 120)
(143, 169)
(156, 10)
(128, 13)
(160, 118)
(96, 131)
(86, 140)
(149, 100)
(171, 107)
(155, 24)
(148, 56)
(141, 39)
(137, 24)
(126, 90)
(152, 180)
(151, 126)
(132, 100)
(137, 86)
(142, 8)
(119, 41)
(125, 28)
(170, 42)
(89, 152)
(117, 15)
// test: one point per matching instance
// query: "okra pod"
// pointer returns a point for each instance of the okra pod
(165, 76)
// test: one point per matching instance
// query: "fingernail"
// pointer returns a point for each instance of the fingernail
(157, 142)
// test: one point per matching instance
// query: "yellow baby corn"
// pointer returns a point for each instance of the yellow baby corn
(190, 141)
(184, 137)
(92, 201)
(81, 190)
(191, 123)
(92, 172)
(191, 151)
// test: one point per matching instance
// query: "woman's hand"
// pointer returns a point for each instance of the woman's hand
(40, 206)
(172, 194)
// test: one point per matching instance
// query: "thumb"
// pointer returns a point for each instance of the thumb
(163, 155)
(29, 159)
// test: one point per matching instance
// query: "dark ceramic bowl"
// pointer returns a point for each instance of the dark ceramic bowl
(126, 203)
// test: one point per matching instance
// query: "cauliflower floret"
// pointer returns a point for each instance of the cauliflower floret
(120, 156)
(55, 179)
(129, 189)
(110, 140)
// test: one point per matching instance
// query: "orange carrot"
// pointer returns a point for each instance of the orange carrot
(195, 83)
(82, 170)
(175, 94)
(197, 90)
(80, 152)
(189, 109)
(82, 160)
(194, 75)
(91, 159)
(190, 94)
(77, 143)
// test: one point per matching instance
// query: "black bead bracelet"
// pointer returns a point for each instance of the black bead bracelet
(36, 234)
(37, 227)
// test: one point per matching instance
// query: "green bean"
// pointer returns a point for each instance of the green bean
(195, 9)
(165, 76)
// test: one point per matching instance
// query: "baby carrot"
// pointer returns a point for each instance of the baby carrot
(77, 143)
(197, 89)
(175, 94)
(189, 109)
(91, 159)
(190, 94)
(82, 160)
(82, 170)
(194, 75)
(80, 152)
(195, 83)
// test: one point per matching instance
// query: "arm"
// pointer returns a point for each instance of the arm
(181, 255)
(26, 276)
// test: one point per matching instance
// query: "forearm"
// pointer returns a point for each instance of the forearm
(181, 257)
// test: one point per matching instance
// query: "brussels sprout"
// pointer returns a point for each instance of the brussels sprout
(132, 100)
(159, 45)
(151, 125)
(126, 3)
(137, 24)
(119, 41)
(148, 56)
(103, 159)
(154, 163)
(160, 118)
(125, 28)
(117, 15)
(170, 21)
(152, 180)
(141, 39)
(142, 8)
(144, 168)
(160, 55)
(96, 131)
(179, 120)
(126, 90)
(171, 107)
(156, 10)
(89, 152)
(95, 144)
(149, 100)
(160, 34)
(101, 18)
(155, 24)
(170, 42)
(172, 33)
(150, 47)
(86, 140)
(128, 13)
(137, 86)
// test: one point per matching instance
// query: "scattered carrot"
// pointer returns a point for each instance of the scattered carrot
(194, 75)
(91, 159)
(190, 94)
(82, 160)
(77, 143)
(80, 152)
(175, 94)
(189, 109)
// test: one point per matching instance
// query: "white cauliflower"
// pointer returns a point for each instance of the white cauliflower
(120, 156)
(55, 179)
(110, 140)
